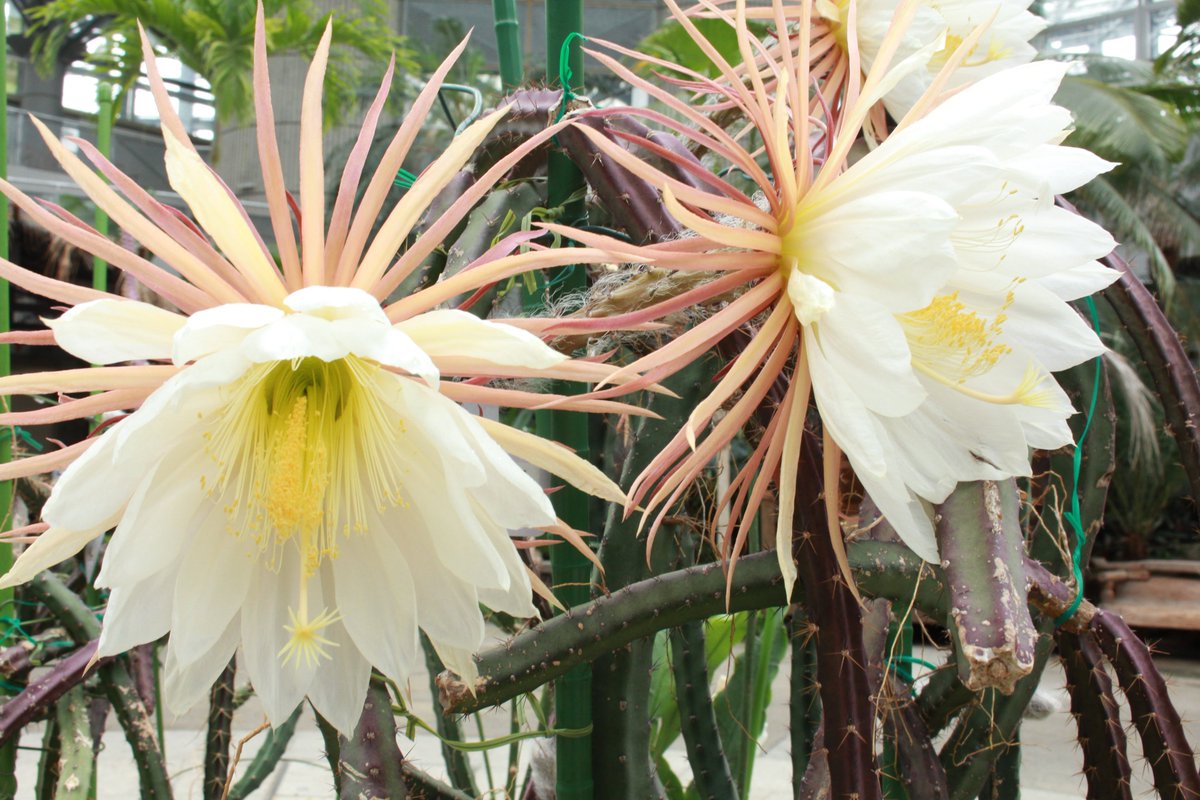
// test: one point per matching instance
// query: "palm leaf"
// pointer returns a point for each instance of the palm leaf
(1122, 124)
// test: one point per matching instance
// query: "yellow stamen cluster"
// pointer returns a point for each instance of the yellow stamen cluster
(951, 344)
(303, 454)
(954, 340)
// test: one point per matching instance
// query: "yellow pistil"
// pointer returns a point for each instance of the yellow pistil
(304, 454)
(305, 642)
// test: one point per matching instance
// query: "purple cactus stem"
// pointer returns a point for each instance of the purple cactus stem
(982, 544)
(1163, 741)
(40, 695)
(1094, 706)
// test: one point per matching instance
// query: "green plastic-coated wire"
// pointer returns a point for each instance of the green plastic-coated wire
(564, 71)
(1074, 516)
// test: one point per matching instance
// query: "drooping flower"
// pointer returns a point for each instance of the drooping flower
(937, 29)
(298, 479)
(918, 291)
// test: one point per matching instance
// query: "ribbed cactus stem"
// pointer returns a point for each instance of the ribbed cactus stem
(370, 762)
(848, 711)
(805, 700)
(1173, 376)
(548, 650)
(621, 761)
(38, 696)
(1163, 741)
(458, 765)
(943, 696)
(633, 204)
(82, 626)
(76, 761)
(1098, 717)
(919, 769)
(698, 721)
(267, 758)
(989, 728)
(982, 547)
(218, 737)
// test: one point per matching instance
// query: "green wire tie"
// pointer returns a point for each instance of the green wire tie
(404, 179)
(565, 73)
(28, 439)
(1074, 516)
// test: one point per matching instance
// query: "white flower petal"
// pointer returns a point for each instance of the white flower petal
(458, 334)
(213, 580)
(336, 302)
(138, 613)
(380, 342)
(279, 687)
(375, 596)
(340, 689)
(185, 686)
(108, 331)
(871, 354)
(158, 522)
(220, 328)
(292, 337)
(1081, 281)
(51, 547)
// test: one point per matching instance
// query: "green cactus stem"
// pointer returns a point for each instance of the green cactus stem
(665, 601)
(423, 786)
(1163, 741)
(943, 696)
(1004, 782)
(919, 769)
(137, 723)
(982, 546)
(76, 762)
(218, 736)
(989, 728)
(267, 758)
(698, 722)
(47, 771)
(369, 762)
(621, 762)
(1094, 706)
(848, 710)
(458, 765)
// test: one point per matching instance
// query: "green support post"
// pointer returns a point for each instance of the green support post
(104, 123)
(571, 570)
(8, 753)
(508, 43)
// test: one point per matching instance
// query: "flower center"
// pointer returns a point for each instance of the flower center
(302, 452)
(952, 344)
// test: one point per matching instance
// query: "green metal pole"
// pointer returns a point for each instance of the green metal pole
(8, 753)
(571, 571)
(508, 43)
(104, 123)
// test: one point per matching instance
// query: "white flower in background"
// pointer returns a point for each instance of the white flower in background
(298, 479)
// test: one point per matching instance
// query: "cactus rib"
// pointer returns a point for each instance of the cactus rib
(218, 737)
(82, 626)
(710, 769)
(846, 703)
(1163, 741)
(1094, 706)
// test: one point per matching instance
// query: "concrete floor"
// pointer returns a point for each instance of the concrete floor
(1050, 769)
